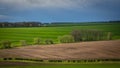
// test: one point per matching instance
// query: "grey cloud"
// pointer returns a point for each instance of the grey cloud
(28, 4)
(23, 4)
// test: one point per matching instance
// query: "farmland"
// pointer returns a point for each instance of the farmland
(29, 33)
(90, 50)
(71, 51)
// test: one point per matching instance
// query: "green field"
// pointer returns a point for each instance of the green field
(29, 33)
(68, 66)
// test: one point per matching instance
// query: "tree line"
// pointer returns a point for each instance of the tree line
(40, 24)
(21, 24)
(64, 61)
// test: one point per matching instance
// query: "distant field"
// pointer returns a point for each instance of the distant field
(29, 33)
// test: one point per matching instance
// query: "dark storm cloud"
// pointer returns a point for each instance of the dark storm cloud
(108, 8)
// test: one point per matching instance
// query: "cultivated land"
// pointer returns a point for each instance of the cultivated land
(71, 51)
(83, 50)
(29, 33)
(77, 51)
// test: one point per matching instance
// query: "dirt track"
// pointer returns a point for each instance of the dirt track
(83, 50)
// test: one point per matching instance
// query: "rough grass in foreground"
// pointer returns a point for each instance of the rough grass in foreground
(67, 66)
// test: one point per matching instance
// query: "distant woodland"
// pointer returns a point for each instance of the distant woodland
(40, 24)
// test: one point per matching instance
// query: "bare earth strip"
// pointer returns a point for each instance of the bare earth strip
(82, 50)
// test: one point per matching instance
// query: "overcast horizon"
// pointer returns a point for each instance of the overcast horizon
(59, 10)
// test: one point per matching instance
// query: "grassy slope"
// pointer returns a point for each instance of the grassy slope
(16, 34)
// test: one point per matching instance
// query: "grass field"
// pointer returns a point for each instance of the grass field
(29, 33)
(54, 65)
(68, 66)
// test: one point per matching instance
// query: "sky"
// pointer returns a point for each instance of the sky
(59, 10)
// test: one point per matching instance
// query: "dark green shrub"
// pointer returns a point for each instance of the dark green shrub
(37, 41)
(0, 45)
(23, 42)
(4, 58)
(66, 39)
(109, 35)
(49, 41)
(6, 44)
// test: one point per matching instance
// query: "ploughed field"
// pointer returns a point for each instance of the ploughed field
(70, 51)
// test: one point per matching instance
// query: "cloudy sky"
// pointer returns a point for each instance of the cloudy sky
(59, 10)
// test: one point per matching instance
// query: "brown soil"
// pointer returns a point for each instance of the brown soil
(82, 50)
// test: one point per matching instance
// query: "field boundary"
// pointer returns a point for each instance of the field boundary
(82, 61)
